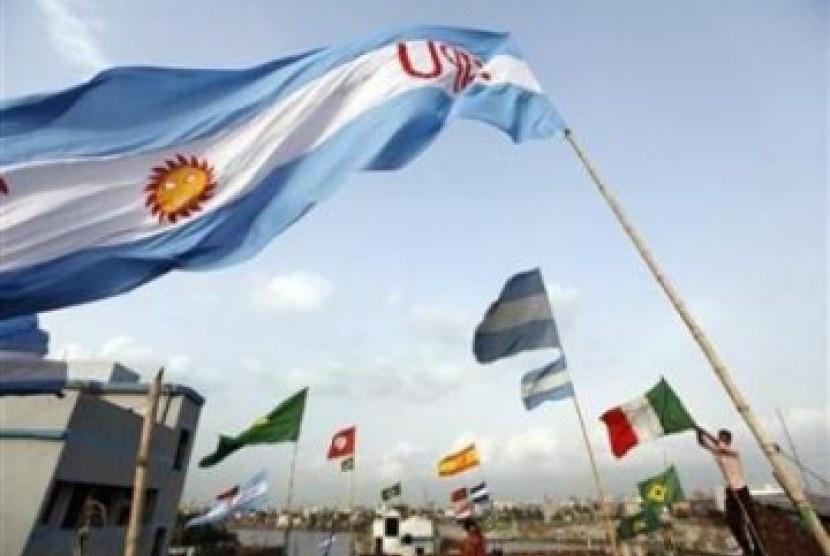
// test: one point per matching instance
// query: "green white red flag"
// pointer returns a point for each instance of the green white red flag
(658, 412)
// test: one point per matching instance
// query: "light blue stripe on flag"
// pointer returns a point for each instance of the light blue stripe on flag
(260, 148)
(519, 320)
(550, 383)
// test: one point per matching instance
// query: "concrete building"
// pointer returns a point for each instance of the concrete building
(67, 464)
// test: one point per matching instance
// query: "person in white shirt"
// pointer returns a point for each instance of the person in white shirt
(740, 509)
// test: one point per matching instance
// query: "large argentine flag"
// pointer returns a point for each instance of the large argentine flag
(112, 183)
(519, 320)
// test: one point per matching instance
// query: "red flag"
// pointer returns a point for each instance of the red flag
(458, 494)
(227, 494)
(342, 443)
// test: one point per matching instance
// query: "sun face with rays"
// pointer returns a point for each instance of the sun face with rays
(179, 188)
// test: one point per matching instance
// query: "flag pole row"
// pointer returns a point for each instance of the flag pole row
(762, 437)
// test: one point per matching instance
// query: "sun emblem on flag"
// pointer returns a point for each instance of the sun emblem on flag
(179, 188)
(340, 442)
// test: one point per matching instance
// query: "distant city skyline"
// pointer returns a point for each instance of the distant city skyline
(710, 123)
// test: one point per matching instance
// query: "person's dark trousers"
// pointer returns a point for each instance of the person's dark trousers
(739, 506)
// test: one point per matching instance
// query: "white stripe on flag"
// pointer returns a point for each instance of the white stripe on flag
(643, 419)
(479, 493)
(105, 194)
(509, 314)
(546, 383)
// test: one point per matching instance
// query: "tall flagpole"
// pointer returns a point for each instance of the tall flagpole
(141, 462)
(351, 498)
(606, 519)
(770, 448)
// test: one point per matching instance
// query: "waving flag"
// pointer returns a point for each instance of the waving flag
(342, 443)
(390, 492)
(520, 319)
(650, 416)
(458, 461)
(662, 490)
(234, 500)
(550, 383)
(22, 336)
(140, 171)
(282, 424)
(644, 521)
(479, 493)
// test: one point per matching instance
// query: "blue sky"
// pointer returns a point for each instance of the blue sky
(708, 119)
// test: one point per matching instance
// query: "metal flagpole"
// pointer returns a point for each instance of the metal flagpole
(612, 539)
(287, 537)
(141, 463)
(769, 447)
(351, 501)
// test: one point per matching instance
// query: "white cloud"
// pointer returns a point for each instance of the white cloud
(531, 445)
(296, 291)
(442, 324)
(139, 356)
(71, 32)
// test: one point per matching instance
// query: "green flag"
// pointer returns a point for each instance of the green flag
(281, 425)
(662, 490)
(389, 492)
(644, 521)
(347, 464)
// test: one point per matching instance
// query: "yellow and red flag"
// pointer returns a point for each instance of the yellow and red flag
(458, 461)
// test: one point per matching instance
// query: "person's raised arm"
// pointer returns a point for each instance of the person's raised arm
(706, 440)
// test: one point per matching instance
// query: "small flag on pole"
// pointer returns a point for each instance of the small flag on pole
(343, 443)
(390, 492)
(460, 503)
(644, 521)
(458, 461)
(549, 383)
(662, 490)
(519, 320)
(281, 425)
(234, 500)
(479, 493)
(458, 494)
(657, 413)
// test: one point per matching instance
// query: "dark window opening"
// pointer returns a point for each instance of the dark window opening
(390, 527)
(158, 541)
(181, 449)
(103, 506)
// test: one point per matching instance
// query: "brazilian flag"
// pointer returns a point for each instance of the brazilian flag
(282, 424)
(662, 490)
(644, 521)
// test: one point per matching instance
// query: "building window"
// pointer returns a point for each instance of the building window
(102, 506)
(158, 541)
(181, 449)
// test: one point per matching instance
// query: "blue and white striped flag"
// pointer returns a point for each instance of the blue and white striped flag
(140, 171)
(479, 493)
(550, 383)
(249, 496)
(519, 320)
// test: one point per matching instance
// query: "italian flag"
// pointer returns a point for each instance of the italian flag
(657, 413)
